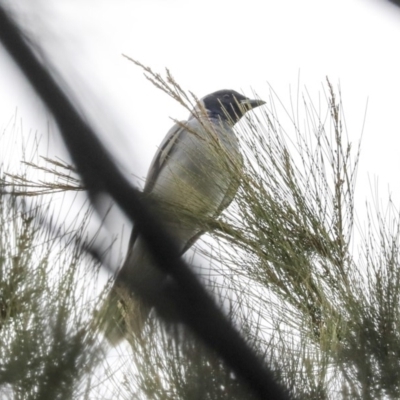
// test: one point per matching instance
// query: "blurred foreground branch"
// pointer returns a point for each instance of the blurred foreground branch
(315, 296)
(99, 174)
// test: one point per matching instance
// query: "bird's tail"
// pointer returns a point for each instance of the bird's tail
(121, 315)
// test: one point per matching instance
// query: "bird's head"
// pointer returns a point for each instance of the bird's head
(228, 105)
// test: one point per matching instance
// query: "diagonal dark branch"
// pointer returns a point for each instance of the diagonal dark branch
(186, 295)
(395, 2)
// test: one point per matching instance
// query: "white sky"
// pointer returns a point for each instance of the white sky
(211, 45)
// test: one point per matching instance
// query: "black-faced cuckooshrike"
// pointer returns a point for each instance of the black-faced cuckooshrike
(193, 175)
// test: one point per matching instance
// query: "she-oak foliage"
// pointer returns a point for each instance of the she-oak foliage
(325, 319)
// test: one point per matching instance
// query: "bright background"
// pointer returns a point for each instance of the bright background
(212, 45)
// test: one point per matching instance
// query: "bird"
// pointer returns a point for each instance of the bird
(194, 174)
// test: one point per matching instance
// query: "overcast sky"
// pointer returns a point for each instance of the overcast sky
(211, 45)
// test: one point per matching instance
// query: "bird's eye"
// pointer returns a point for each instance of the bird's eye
(226, 96)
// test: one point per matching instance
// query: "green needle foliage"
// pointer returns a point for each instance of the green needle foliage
(47, 349)
(280, 261)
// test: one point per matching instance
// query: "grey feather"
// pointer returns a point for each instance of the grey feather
(192, 176)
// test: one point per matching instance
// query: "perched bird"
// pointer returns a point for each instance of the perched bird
(195, 174)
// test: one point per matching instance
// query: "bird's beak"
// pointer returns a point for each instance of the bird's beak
(250, 104)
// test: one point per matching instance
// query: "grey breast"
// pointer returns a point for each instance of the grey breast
(200, 176)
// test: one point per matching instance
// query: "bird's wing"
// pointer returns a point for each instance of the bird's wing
(226, 201)
(166, 149)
